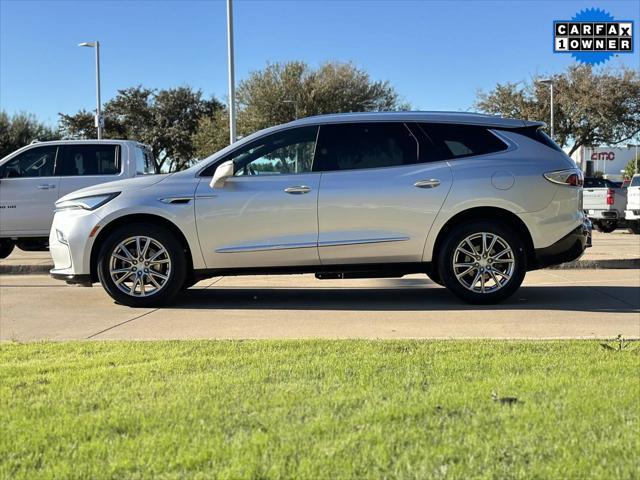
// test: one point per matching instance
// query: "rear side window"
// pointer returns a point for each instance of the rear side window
(355, 146)
(85, 160)
(144, 161)
(35, 162)
(536, 133)
(456, 141)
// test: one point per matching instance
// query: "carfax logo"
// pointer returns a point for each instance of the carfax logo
(593, 36)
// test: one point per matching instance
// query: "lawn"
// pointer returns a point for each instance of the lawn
(319, 409)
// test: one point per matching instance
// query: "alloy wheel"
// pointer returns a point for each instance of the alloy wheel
(140, 266)
(483, 262)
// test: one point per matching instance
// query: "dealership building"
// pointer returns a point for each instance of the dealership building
(608, 160)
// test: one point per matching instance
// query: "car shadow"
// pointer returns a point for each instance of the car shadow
(417, 295)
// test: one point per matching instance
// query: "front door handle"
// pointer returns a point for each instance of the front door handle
(297, 190)
(431, 183)
(45, 187)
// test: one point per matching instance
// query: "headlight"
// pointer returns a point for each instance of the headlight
(86, 203)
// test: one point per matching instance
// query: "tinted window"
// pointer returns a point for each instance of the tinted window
(454, 141)
(287, 152)
(536, 133)
(90, 160)
(635, 181)
(35, 162)
(144, 161)
(365, 145)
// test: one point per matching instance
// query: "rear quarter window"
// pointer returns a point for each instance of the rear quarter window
(456, 141)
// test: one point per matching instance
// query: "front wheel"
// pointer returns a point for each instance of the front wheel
(142, 266)
(6, 247)
(634, 227)
(483, 262)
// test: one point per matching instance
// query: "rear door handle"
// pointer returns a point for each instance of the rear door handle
(431, 183)
(45, 187)
(297, 189)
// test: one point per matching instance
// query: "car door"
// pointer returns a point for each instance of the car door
(378, 193)
(85, 164)
(28, 192)
(266, 214)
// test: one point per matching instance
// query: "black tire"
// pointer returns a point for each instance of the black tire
(434, 276)
(506, 287)
(634, 227)
(6, 247)
(175, 278)
(606, 227)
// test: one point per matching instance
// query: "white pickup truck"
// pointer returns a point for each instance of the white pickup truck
(604, 202)
(632, 213)
(34, 177)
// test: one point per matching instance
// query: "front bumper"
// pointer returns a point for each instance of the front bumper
(567, 249)
(70, 243)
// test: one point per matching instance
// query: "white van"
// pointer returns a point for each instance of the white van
(34, 177)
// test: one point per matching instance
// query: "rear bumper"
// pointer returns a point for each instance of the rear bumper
(567, 249)
(603, 214)
(632, 214)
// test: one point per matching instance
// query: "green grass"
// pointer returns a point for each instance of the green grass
(318, 409)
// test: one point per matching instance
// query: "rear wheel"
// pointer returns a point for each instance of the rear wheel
(483, 262)
(142, 266)
(634, 227)
(606, 226)
(6, 247)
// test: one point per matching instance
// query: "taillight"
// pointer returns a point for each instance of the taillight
(572, 177)
(610, 197)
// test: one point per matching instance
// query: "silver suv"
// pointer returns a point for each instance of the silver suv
(473, 201)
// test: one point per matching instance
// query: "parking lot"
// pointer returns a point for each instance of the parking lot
(559, 303)
(551, 304)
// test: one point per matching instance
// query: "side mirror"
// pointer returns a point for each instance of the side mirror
(224, 171)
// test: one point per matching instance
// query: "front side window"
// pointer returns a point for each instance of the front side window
(455, 141)
(287, 152)
(35, 162)
(365, 145)
(87, 160)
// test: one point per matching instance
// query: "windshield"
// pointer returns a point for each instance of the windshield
(635, 181)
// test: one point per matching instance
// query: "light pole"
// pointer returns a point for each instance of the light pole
(548, 81)
(99, 120)
(232, 88)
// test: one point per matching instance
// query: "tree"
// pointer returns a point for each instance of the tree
(167, 120)
(590, 108)
(632, 167)
(20, 129)
(282, 92)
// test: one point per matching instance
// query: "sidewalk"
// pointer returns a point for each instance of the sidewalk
(619, 249)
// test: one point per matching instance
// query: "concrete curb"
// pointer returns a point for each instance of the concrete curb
(628, 263)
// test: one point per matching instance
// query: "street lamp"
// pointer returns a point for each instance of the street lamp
(548, 81)
(232, 89)
(99, 120)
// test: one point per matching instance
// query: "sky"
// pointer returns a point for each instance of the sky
(437, 54)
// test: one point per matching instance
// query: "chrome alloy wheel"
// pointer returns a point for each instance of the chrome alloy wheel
(140, 266)
(483, 262)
